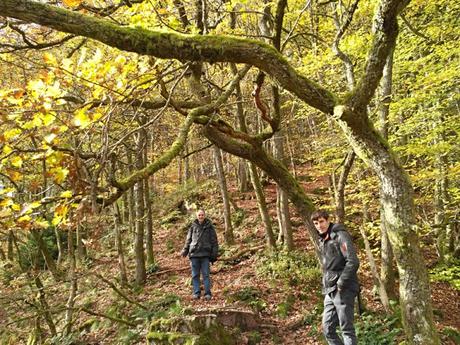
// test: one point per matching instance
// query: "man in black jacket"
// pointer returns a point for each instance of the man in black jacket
(340, 281)
(201, 246)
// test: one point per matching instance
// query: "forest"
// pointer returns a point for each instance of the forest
(120, 119)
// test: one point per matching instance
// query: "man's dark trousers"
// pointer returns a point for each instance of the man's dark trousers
(339, 310)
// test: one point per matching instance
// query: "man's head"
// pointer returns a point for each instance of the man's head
(200, 215)
(320, 219)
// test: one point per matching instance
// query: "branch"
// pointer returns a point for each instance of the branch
(119, 292)
(166, 158)
(335, 46)
(116, 319)
(31, 45)
(385, 32)
(166, 45)
(415, 30)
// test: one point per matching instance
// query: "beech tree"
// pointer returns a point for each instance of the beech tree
(350, 112)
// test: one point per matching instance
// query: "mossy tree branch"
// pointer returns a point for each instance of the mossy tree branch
(168, 45)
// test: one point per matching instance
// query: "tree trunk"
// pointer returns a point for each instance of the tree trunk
(373, 266)
(43, 249)
(45, 309)
(73, 284)
(148, 216)
(339, 188)
(81, 248)
(119, 245)
(228, 233)
(441, 201)
(141, 274)
(187, 174)
(387, 269)
(269, 235)
(349, 113)
(58, 245)
(397, 202)
(282, 205)
(125, 208)
(10, 250)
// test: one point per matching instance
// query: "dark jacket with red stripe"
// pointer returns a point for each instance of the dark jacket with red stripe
(339, 260)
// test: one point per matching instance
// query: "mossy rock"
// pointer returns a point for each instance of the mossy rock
(167, 338)
(216, 327)
(185, 324)
(213, 335)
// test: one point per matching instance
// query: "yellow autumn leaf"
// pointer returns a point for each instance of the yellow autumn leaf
(16, 161)
(6, 191)
(7, 149)
(120, 59)
(15, 176)
(56, 220)
(59, 174)
(97, 115)
(66, 194)
(72, 3)
(81, 119)
(63, 128)
(29, 125)
(35, 204)
(49, 58)
(37, 120)
(48, 118)
(4, 202)
(12, 133)
(54, 91)
(25, 218)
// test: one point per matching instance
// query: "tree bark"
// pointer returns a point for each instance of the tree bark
(373, 266)
(284, 218)
(73, 284)
(46, 254)
(397, 202)
(339, 188)
(387, 270)
(141, 274)
(228, 233)
(148, 214)
(119, 245)
(263, 210)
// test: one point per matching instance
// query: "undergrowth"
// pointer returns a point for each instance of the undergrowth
(293, 268)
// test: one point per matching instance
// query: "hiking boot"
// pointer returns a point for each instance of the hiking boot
(194, 296)
(207, 297)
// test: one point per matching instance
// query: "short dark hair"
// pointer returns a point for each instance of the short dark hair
(319, 214)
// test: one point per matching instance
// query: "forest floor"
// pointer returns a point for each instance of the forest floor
(300, 320)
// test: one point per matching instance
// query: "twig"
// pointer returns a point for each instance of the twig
(116, 319)
(118, 291)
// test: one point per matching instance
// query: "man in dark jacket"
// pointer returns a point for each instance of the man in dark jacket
(340, 281)
(201, 246)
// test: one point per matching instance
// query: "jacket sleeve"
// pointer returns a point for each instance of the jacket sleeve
(188, 240)
(351, 259)
(214, 243)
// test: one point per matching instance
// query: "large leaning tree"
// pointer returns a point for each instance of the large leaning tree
(349, 112)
